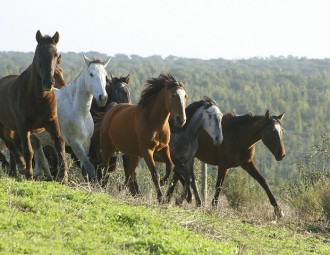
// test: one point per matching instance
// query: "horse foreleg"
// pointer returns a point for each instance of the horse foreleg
(221, 177)
(148, 158)
(16, 158)
(40, 159)
(54, 130)
(84, 161)
(251, 168)
(107, 151)
(24, 135)
(190, 165)
(166, 158)
(130, 175)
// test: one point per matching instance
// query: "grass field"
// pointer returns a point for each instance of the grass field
(49, 218)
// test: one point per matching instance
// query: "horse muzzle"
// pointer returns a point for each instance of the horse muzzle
(218, 140)
(280, 156)
(102, 100)
(47, 85)
(179, 122)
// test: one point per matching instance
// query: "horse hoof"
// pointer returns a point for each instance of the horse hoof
(278, 212)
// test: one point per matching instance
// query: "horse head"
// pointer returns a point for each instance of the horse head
(211, 118)
(95, 79)
(45, 59)
(118, 89)
(272, 135)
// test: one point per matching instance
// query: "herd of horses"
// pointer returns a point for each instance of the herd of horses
(92, 118)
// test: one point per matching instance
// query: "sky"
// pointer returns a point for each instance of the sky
(207, 29)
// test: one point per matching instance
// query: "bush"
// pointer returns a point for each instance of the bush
(309, 193)
(236, 190)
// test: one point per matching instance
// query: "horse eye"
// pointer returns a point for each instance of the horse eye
(91, 75)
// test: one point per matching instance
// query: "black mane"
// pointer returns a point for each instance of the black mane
(154, 85)
(206, 102)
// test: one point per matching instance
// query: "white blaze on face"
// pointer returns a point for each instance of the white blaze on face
(182, 95)
(278, 129)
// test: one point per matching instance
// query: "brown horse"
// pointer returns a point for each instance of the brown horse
(241, 133)
(140, 130)
(51, 154)
(28, 104)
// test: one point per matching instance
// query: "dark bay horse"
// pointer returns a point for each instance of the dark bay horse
(28, 104)
(59, 83)
(142, 129)
(238, 147)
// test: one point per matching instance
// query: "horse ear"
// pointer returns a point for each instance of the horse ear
(59, 59)
(127, 79)
(267, 115)
(56, 37)
(39, 36)
(105, 63)
(87, 60)
(281, 116)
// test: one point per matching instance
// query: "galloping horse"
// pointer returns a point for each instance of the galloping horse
(238, 146)
(202, 115)
(28, 104)
(59, 83)
(140, 130)
(75, 100)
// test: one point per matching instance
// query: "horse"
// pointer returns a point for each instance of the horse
(201, 115)
(119, 92)
(140, 130)
(75, 100)
(241, 133)
(59, 83)
(28, 104)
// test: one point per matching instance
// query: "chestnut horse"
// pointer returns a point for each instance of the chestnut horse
(240, 134)
(142, 129)
(28, 104)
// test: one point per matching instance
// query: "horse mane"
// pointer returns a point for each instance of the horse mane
(154, 85)
(206, 102)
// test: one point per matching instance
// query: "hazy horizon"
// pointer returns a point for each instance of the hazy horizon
(209, 29)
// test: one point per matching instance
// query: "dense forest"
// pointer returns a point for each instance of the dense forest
(300, 87)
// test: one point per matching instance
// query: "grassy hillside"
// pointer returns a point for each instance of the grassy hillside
(49, 218)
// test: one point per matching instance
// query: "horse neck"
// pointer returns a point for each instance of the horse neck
(156, 111)
(195, 126)
(82, 99)
(34, 80)
(252, 130)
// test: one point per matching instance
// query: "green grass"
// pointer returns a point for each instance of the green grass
(49, 218)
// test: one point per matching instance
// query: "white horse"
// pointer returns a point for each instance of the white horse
(75, 120)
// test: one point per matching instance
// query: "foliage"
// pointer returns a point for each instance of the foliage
(309, 193)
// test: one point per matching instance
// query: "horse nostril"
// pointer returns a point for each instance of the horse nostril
(283, 155)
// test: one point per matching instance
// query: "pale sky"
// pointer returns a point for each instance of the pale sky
(230, 29)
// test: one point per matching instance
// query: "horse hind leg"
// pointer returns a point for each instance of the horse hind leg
(130, 175)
